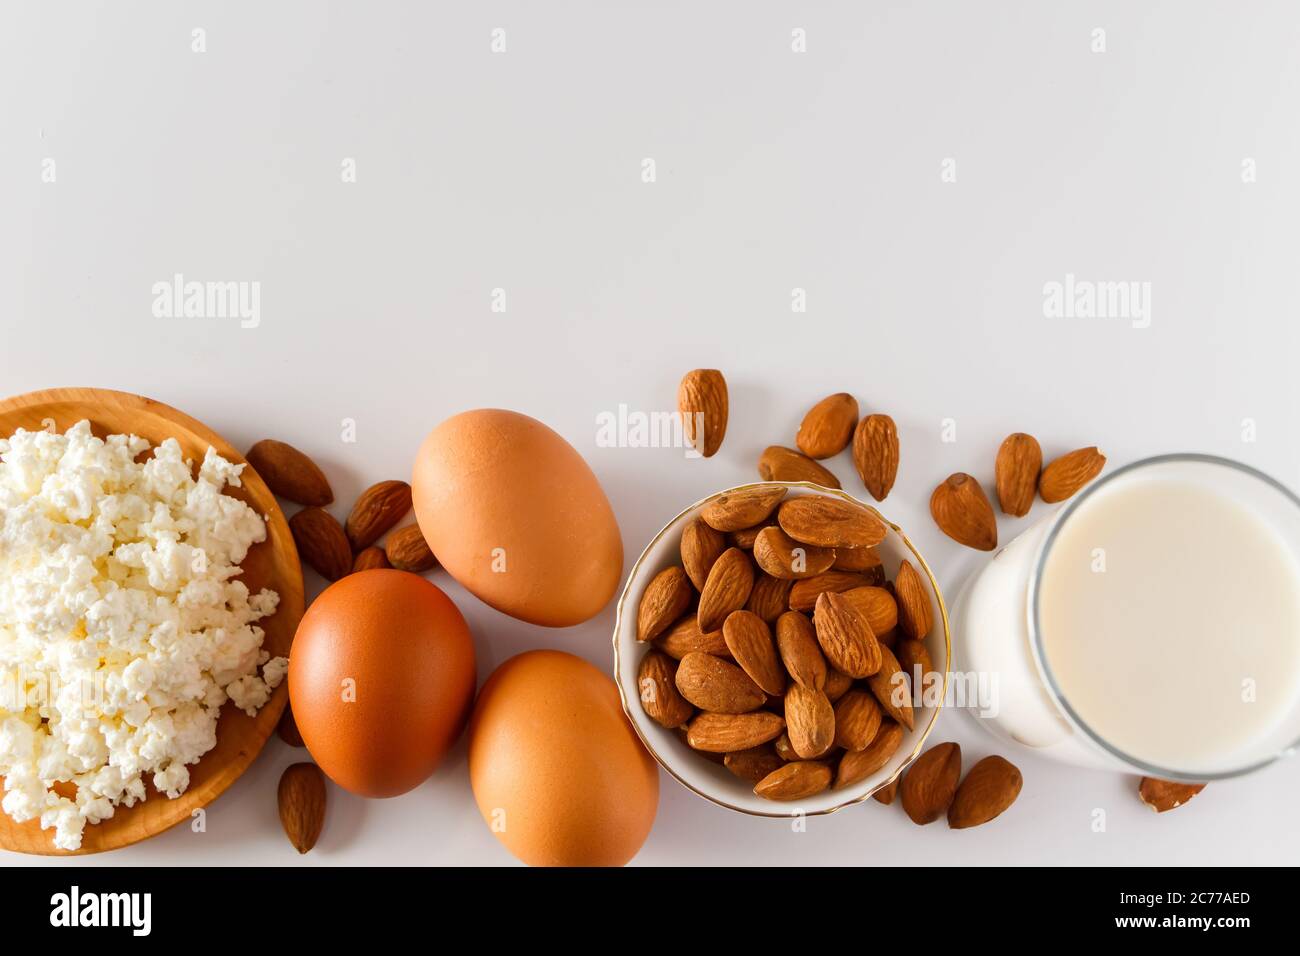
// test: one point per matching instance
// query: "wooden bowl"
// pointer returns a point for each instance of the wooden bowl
(272, 564)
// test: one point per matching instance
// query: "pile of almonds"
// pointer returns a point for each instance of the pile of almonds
(333, 550)
(792, 704)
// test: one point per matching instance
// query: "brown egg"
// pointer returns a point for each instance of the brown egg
(381, 678)
(558, 772)
(516, 515)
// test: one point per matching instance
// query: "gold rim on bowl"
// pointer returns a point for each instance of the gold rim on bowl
(820, 489)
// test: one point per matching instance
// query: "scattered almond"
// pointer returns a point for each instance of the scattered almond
(857, 720)
(769, 597)
(809, 721)
(301, 796)
(915, 616)
(886, 793)
(1020, 459)
(795, 781)
(657, 687)
(666, 598)
(1067, 474)
(685, 636)
(845, 636)
(782, 557)
(701, 546)
(321, 542)
(750, 641)
(830, 522)
(785, 464)
(727, 588)
(1162, 795)
(289, 473)
(856, 765)
(962, 511)
(727, 733)
(747, 508)
(717, 686)
(930, 783)
(875, 454)
(799, 650)
(877, 605)
(828, 427)
(408, 551)
(990, 787)
(368, 559)
(702, 401)
(379, 508)
(753, 764)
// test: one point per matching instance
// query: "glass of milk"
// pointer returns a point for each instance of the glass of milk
(1152, 624)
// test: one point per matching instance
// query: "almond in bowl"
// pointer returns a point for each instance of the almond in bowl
(784, 681)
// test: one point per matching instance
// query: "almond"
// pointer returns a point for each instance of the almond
(744, 538)
(287, 728)
(701, 546)
(875, 453)
(828, 427)
(795, 781)
(685, 636)
(892, 690)
(750, 641)
(782, 557)
(683, 734)
(321, 542)
(727, 733)
(838, 683)
(784, 749)
(830, 522)
(379, 508)
(886, 793)
(856, 765)
(857, 720)
(702, 401)
(712, 684)
(368, 559)
(930, 783)
(915, 616)
(845, 636)
(301, 796)
(863, 560)
(741, 509)
(914, 660)
(800, 652)
(1067, 474)
(877, 605)
(1020, 459)
(666, 598)
(809, 721)
(408, 551)
(289, 473)
(753, 764)
(990, 787)
(804, 594)
(785, 464)
(726, 589)
(962, 511)
(1162, 795)
(656, 682)
(769, 597)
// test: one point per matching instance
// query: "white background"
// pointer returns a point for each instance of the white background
(776, 170)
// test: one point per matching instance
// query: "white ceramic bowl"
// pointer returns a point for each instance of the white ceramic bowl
(694, 770)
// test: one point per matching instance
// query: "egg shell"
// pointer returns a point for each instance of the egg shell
(409, 655)
(516, 515)
(554, 759)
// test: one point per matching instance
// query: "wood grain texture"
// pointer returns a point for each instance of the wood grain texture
(273, 563)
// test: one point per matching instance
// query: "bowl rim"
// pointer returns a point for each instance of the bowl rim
(664, 762)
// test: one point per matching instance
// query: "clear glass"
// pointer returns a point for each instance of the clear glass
(1264, 496)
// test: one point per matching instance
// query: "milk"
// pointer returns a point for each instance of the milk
(1166, 633)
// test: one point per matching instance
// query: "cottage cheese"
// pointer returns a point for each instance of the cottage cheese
(123, 628)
